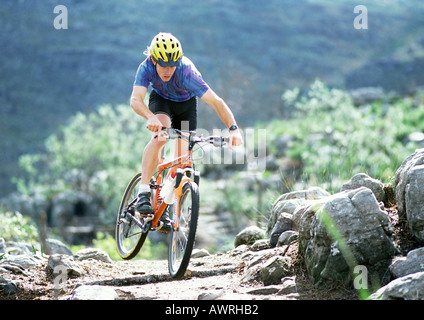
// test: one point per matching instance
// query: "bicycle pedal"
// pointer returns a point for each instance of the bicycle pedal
(124, 221)
(164, 228)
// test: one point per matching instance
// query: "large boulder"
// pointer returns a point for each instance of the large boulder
(363, 180)
(409, 287)
(409, 191)
(412, 263)
(341, 231)
(284, 207)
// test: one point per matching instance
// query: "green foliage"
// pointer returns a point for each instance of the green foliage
(15, 227)
(95, 153)
(334, 139)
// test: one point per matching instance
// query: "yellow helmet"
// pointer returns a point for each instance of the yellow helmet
(166, 50)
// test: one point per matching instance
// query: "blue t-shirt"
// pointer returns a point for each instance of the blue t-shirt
(186, 82)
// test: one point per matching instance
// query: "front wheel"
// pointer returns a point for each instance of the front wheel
(183, 236)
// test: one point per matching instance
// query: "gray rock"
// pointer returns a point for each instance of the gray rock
(65, 262)
(289, 202)
(313, 193)
(413, 262)
(21, 248)
(92, 253)
(249, 235)
(200, 253)
(409, 191)
(288, 285)
(410, 287)
(210, 295)
(287, 237)
(58, 247)
(279, 206)
(24, 261)
(95, 292)
(275, 269)
(260, 256)
(252, 274)
(7, 267)
(352, 217)
(7, 287)
(363, 180)
(267, 290)
(284, 223)
(261, 244)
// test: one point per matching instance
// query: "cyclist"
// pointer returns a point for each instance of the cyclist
(176, 85)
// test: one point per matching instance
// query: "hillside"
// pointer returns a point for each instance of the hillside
(249, 52)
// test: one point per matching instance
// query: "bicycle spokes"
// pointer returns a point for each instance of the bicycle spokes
(131, 229)
(182, 237)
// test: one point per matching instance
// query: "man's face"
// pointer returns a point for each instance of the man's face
(165, 73)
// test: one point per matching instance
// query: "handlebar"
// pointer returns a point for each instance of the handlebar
(216, 141)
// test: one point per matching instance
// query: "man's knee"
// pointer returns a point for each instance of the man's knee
(157, 143)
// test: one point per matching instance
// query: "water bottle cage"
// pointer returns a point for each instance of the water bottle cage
(188, 171)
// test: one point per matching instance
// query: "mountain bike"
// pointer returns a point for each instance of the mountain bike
(174, 187)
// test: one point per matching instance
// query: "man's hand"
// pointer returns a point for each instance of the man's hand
(235, 139)
(153, 124)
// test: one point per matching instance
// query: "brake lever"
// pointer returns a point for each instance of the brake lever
(219, 141)
(163, 134)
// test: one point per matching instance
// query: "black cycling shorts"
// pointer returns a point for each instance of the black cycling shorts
(179, 112)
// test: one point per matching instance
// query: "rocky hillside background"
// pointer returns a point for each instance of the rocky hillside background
(249, 52)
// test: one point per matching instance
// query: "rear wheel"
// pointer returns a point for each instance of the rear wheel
(130, 235)
(182, 237)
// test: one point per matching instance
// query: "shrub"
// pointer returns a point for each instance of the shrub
(335, 139)
(15, 227)
(95, 153)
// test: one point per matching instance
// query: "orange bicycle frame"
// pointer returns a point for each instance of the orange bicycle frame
(159, 205)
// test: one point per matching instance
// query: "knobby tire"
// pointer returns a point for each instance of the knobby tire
(182, 240)
(139, 237)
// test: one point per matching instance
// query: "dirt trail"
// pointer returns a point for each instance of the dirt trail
(213, 277)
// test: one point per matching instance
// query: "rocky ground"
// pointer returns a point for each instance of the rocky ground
(212, 277)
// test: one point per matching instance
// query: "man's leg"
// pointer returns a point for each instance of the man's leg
(181, 147)
(149, 165)
(152, 151)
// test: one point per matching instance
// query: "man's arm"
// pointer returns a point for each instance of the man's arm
(225, 114)
(138, 105)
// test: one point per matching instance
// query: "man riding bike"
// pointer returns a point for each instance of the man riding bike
(173, 101)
